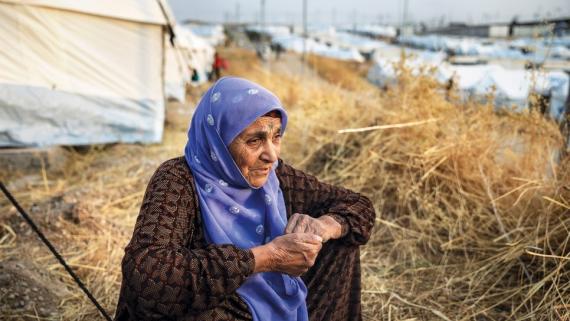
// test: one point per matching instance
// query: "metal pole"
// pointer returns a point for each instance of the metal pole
(262, 13)
(405, 18)
(237, 12)
(53, 250)
(333, 20)
(305, 33)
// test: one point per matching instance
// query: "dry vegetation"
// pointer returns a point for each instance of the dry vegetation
(347, 74)
(473, 207)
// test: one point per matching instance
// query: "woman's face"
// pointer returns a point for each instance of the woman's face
(257, 147)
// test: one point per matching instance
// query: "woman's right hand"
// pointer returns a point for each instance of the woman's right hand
(292, 254)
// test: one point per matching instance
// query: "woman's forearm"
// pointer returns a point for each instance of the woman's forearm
(263, 257)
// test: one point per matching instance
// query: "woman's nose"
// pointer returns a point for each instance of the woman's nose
(270, 152)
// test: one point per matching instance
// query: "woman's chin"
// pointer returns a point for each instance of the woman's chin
(257, 180)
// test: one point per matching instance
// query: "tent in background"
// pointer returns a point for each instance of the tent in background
(512, 87)
(199, 51)
(81, 72)
(212, 34)
(189, 54)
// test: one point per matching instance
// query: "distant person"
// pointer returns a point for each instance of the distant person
(230, 232)
(512, 27)
(278, 49)
(195, 76)
(560, 29)
(219, 64)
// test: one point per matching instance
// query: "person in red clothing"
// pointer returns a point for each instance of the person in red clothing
(219, 64)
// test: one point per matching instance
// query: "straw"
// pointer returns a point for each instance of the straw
(467, 198)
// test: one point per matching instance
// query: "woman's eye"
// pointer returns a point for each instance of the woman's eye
(254, 141)
(277, 137)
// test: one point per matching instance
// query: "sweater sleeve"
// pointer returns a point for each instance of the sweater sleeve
(165, 278)
(304, 193)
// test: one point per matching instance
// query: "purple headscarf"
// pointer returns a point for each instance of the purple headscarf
(233, 212)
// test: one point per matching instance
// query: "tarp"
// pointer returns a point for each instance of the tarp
(373, 30)
(199, 51)
(511, 87)
(384, 72)
(191, 53)
(295, 43)
(80, 76)
(343, 39)
(213, 34)
(176, 71)
(272, 31)
(133, 10)
(536, 50)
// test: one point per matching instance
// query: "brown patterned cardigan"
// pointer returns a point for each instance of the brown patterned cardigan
(171, 273)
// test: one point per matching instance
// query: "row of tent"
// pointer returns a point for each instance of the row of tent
(524, 48)
(92, 71)
(318, 43)
(359, 42)
(511, 87)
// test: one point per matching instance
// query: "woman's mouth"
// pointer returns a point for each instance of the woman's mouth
(260, 171)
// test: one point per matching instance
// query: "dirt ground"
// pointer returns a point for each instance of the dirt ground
(33, 286)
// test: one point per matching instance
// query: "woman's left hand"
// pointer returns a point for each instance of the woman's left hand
(324, 226)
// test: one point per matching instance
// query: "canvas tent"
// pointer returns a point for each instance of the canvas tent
(297, 43)
(189, 54)
(212, 34)
(200, 53)
(177, 75)
(511, 87)
(81, 72)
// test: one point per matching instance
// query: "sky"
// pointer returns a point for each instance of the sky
(369, 11)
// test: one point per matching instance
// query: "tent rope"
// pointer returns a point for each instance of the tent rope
(53, 250)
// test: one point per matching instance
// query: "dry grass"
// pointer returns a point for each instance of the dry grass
(346, 74)
(474, 208)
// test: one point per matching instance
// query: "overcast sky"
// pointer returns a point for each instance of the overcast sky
(386, 11)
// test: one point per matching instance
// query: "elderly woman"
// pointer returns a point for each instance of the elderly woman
(231, 232)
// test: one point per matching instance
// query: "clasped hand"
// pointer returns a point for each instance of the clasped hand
(296, 251)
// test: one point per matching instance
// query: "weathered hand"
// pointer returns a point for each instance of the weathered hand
(324, 226)
(292, 253)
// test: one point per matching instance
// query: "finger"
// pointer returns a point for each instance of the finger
(300, 224)
(309, 225)
(306, 224)
(309, 238)
(291, 224)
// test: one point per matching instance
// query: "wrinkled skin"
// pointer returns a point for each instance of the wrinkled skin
(325, 226)
(255, 150)
(293, 254)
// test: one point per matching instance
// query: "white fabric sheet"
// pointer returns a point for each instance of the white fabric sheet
(61, 71)
(146, 11)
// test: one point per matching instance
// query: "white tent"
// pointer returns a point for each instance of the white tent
(199, 52)
(296, 43)
(189, 53)
(81, 72)
(511, 87)
(177, 73)
(213, 34)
